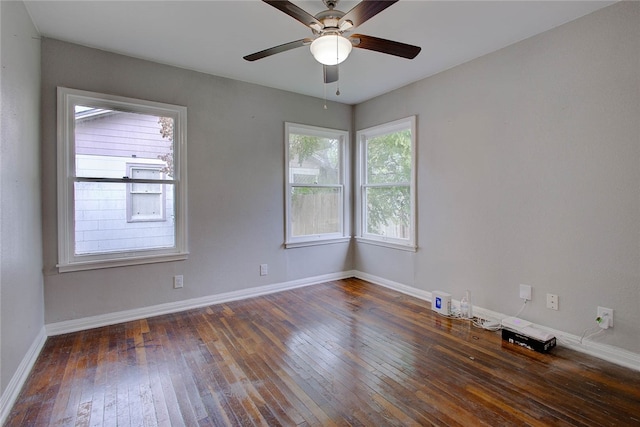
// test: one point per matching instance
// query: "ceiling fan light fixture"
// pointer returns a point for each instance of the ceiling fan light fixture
(331, 49)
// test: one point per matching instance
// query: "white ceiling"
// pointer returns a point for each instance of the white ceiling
(213, 36)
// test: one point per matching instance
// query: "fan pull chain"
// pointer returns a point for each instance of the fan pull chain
(338, 67)
(324, 86)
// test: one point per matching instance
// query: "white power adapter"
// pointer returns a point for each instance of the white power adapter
(603, 321)
(441, 302)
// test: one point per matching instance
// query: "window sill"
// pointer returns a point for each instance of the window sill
(301, 244)
(121, 262)
(387, 244)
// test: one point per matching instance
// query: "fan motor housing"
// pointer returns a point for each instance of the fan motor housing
(329, 18)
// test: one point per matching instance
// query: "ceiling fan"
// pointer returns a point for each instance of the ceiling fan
(329, 44)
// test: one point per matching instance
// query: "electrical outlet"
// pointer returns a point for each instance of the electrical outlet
(604, 314)
(264, 269)
(178, 282)
(525, 292)
(552, 301)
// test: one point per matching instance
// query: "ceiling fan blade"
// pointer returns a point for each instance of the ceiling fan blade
(385, 46)
(330, 73)
(364, 11)
(295, 12)
(278, 49)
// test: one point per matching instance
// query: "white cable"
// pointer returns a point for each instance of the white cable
(495, 328)
(521, 308)
(478, 322)
(582, 338)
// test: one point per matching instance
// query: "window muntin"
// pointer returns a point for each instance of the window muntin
(386, 181)
(316, 192)
(121, 181)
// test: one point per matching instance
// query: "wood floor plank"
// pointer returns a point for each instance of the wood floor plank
(345, 352)
(244, 355)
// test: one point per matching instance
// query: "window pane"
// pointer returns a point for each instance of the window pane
(101, 224)
(388, 158)
(388, 211)
(315, 210)
(105, 139)
(313, 159)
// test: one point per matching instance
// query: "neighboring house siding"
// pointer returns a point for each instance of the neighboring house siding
(120, 135)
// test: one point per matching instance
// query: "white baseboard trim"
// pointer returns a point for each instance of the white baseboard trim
(407, 290)
(606, 352)
(91, 322)
(14, 387)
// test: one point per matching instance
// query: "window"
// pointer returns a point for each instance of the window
(317, 197)
(386, 183)
(121, 181)
(145, 201)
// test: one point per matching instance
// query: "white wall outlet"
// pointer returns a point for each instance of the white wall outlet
(552, 301)
(525, 292)
(606, 317)
(264, 269)
(178, 281)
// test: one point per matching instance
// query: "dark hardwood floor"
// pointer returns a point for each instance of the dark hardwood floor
(340, 353)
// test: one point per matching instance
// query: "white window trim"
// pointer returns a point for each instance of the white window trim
(361, 137)
(67, 260)
(318, 239)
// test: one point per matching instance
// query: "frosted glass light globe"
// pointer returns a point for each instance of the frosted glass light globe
(331, 49)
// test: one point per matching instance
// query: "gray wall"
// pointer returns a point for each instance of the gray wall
(529, 172)
(21, 293)
(235, 184)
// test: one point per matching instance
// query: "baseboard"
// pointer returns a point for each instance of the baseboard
(12, 391)
(407, 290)
(85, 323)
(606, 352)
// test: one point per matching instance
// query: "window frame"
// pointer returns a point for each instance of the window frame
(362, 136)
(67, 258)
(344, 235)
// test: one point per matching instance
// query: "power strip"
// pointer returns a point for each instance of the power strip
(515, 323)
(525, 328)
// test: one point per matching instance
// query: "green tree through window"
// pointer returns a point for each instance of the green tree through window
(389, 161)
